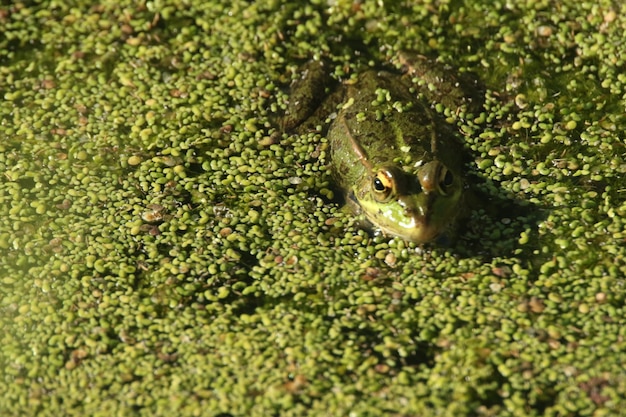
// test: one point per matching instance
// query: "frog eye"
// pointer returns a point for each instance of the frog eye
(446, 180)
(383, 185)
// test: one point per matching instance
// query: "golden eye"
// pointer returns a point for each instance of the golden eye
(383, 185)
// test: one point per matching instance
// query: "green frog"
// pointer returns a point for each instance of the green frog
(398, 162)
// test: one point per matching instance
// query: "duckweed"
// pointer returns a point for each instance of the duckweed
(169, 251)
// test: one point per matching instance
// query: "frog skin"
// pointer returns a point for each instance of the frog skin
(399, 164)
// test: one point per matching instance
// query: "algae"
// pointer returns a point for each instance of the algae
(167, 250)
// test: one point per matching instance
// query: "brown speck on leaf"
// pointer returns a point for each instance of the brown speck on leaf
(166, 357)
(391, 259)
(503, 271)
(226, 231)
(64, 205)
(48, 84)
(296, 384)
(370, 274)
(467, 276)
(536, 305)
(382, 368)
(58, 131)
(593, 388)
(610, 16)
(176, 93)
(126, 29)
(207, 75)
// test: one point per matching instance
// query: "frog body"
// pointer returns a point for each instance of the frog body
(399, 164)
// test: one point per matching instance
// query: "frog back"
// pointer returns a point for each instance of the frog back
(382, 123)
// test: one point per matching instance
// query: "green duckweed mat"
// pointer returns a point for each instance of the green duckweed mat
(166, 250)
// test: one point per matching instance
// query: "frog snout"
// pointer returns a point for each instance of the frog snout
(435, 177)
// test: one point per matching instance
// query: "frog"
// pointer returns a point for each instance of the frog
(398, 163)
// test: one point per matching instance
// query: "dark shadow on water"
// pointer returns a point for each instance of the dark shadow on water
(499, 224)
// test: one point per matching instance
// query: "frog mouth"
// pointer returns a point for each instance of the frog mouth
(414, 229)
(414, 224)
(422, 220)
(418, 227)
